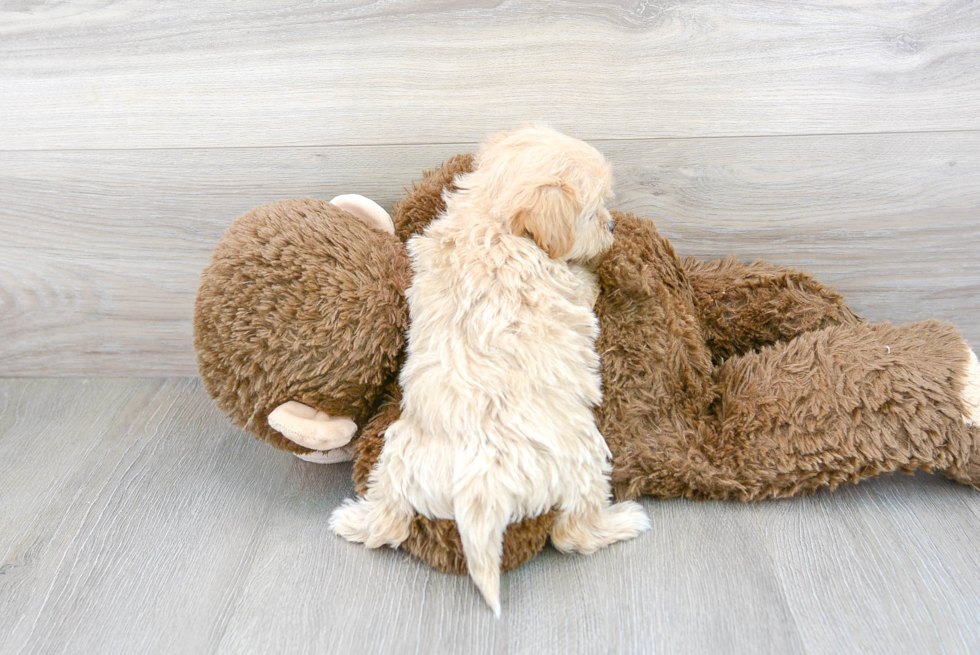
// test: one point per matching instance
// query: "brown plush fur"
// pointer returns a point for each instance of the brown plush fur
(743, 307)
(424, 201)
(302, 301)
(839, 403)
(722, 380)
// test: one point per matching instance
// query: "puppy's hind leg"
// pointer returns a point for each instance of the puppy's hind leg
(588, 524)
(372, 522)
(382, 517)
(482, 521)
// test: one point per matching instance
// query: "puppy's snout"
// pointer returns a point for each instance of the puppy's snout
(610, 223)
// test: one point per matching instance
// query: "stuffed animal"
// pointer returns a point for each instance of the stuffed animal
(722, 380)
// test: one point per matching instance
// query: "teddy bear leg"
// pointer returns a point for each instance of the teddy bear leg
(743, 307)
(843, 404)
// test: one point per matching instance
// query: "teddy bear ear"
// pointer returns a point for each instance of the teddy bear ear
(366, 209)
(639, 260)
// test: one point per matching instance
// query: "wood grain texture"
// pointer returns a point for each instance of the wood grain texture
(100, 251)
(140, 74)
(139, 531)
(159, 528)
(872, 537)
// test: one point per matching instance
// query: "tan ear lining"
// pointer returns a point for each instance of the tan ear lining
(547, 215)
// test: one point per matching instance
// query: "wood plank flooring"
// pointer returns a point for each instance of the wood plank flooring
(219, 74)
(135, 519)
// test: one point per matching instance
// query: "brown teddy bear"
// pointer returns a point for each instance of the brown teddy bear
(722, 380)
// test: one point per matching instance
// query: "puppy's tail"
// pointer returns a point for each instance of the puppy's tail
(482, 522)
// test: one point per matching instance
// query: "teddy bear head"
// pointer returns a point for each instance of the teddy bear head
(303, 301)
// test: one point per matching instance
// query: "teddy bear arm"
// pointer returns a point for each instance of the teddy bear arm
(743, 307)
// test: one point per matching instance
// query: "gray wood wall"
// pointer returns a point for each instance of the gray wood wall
(842, 137)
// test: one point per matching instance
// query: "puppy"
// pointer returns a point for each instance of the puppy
(502, 374)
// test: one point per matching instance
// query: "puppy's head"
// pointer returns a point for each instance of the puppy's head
(548, 187)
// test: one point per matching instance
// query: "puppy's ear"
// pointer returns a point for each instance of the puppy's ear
(546, 213)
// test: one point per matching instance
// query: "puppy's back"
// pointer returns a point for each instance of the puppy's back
(498, 386)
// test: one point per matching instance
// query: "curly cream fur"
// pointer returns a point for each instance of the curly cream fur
(502, 374)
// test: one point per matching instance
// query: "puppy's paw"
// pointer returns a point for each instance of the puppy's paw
(626, 520)
(350, 521)
(587, 533)
(370, 524)
(970, 393)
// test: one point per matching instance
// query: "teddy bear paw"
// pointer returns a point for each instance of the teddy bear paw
(311, 428)
(335, 456)
(970, 393)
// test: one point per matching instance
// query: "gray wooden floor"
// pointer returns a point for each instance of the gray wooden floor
(135, 519)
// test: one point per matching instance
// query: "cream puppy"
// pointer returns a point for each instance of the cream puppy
(502, 373)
